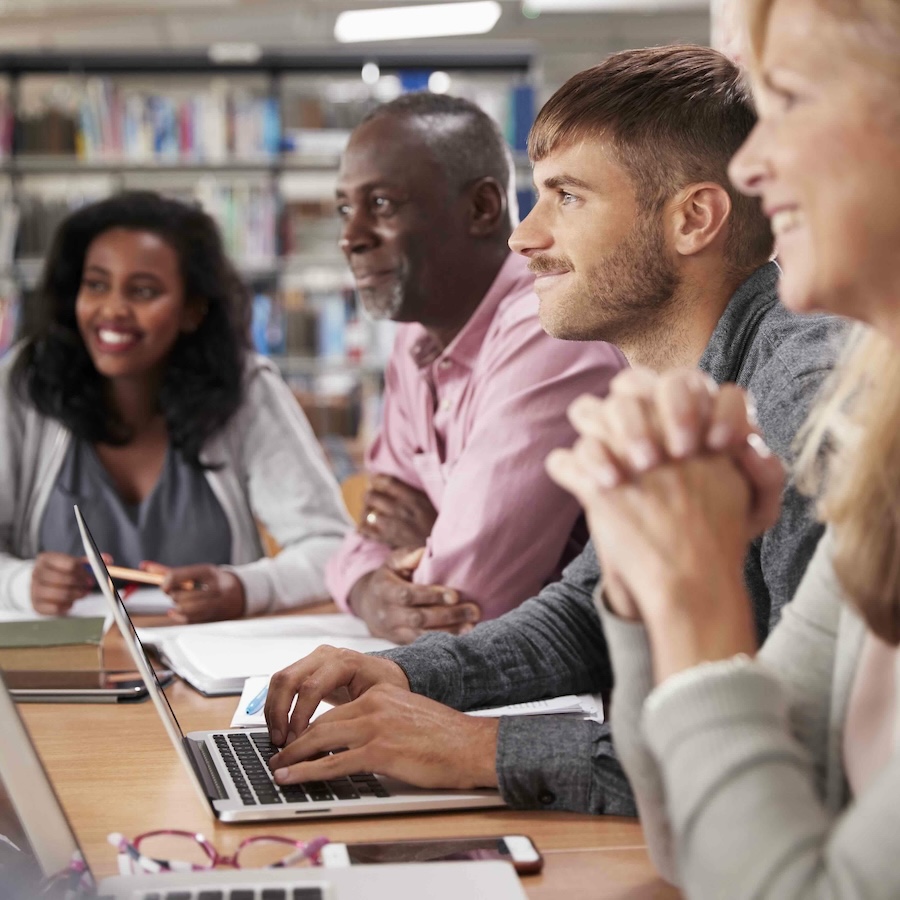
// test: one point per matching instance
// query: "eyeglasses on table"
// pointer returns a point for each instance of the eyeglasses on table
(172, 850)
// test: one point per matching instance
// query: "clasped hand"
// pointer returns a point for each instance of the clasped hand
(675, 481)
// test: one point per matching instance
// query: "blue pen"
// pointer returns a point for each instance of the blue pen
(255, 705)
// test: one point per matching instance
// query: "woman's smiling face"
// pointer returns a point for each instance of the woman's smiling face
(131, 306)
(825, 160)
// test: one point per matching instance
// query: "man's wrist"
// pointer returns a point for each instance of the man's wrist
(357, 594)
(483, 758)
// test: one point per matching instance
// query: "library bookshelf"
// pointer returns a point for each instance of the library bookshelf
(255, 139)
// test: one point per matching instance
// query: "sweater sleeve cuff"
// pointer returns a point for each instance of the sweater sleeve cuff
(544, 762)
(19, 587)
(430, 669)
(704, 698)
(259, 597)
(629, 650)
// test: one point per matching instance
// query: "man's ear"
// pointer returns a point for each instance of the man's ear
(699, 215)
(487, 206)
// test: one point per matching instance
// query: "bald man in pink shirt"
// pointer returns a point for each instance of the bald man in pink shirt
(461, 523)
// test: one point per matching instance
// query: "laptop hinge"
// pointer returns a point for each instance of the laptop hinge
(205, 768)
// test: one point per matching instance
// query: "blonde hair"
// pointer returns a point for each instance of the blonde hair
(850, 447)
(850, 457)
(874, 27)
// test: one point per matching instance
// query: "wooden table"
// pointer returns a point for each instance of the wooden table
(145, 788)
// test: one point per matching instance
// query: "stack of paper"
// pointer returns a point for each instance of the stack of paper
(588, 706)
(219, 657)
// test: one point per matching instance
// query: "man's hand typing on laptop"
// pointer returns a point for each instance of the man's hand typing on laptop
(378, 726)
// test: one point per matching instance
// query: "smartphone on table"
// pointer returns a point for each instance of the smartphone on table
(514, 848)
(105, 686)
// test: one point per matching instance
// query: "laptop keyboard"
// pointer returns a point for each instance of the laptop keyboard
(244, 893)
(246, 757)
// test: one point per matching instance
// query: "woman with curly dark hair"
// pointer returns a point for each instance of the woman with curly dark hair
(135, 396)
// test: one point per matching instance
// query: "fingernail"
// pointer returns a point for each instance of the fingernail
(719, 436)
(280, 775)
(759, 445)
(642, 455)
(465, 629)
(606, 476)
(449, 597)
(682, 442)
(750, 403)
(473, 615)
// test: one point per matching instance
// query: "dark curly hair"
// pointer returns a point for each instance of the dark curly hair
(202, 387)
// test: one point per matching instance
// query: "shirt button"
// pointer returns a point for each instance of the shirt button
(445, 363)
(547, 798)
(445, 405)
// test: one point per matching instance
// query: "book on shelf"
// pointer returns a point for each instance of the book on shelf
(65, 643)
(210, 125)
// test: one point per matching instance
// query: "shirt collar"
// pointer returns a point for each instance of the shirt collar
(737, 325)
(513, 277)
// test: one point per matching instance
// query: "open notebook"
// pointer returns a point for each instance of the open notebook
(219, 657)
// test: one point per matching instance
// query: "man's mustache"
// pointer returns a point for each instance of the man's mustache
(541, 265)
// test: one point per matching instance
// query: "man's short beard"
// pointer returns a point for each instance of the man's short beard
(628, 293)
(380, 304)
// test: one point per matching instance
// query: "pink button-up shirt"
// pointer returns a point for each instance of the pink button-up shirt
(471, 426)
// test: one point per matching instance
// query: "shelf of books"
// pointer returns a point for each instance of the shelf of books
(257, 144)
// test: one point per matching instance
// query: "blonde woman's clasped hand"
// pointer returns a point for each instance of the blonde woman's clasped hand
(671, 527)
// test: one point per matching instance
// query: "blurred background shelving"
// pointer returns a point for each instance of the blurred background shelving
(257, 144)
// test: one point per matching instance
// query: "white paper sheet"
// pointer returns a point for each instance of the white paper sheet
(588, 705)
(585, 705)
(252, 686)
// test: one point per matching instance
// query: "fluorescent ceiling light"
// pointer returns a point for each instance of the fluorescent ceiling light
(576, 6)
(404, 22)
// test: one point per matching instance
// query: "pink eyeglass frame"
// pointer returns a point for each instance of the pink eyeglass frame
(308, 850)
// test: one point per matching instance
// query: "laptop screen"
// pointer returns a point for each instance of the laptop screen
(39, 855)
(135, 647)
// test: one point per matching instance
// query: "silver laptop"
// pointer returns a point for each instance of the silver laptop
(230, 768)
(37, 845)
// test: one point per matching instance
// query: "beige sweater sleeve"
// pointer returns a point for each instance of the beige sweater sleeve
(728, 766)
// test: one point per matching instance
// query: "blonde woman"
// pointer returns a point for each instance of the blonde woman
(777, 774)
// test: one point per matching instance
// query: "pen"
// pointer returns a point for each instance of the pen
(255, 705)
(139, 576)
